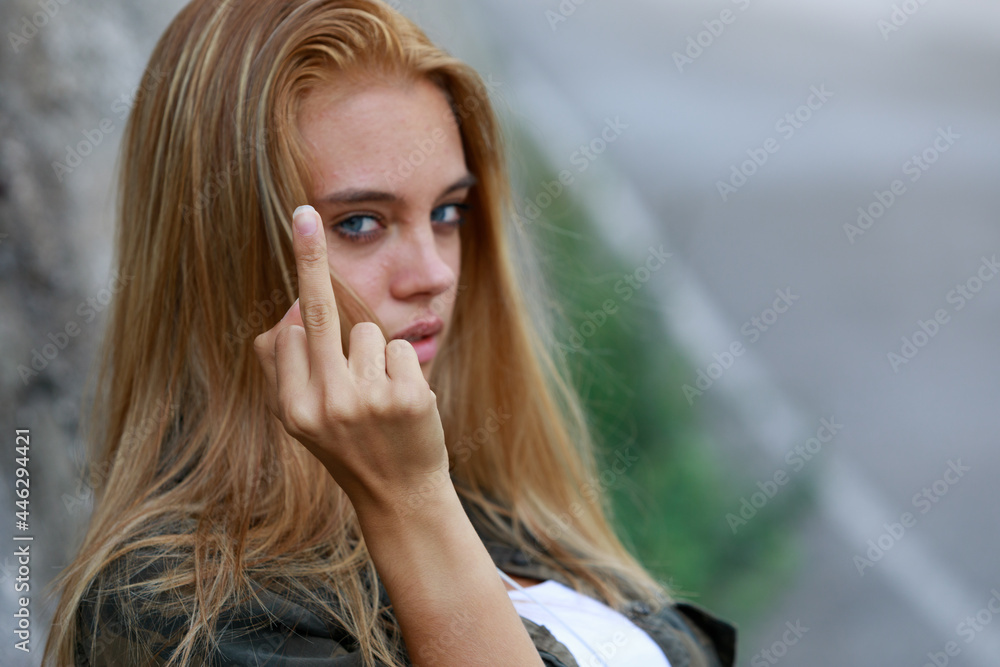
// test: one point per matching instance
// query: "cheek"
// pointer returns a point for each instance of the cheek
(368, 277)
(452, 255)
(452, 248)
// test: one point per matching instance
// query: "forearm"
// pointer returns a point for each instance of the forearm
(449, 600)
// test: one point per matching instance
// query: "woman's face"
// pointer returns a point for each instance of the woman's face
(391, 186)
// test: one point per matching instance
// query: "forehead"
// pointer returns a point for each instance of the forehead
(362, 135)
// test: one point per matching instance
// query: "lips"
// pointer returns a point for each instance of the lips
(423, 328)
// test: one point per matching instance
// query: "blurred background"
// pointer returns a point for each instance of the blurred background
(775, 227)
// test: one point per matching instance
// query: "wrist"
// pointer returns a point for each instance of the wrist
(426, 501)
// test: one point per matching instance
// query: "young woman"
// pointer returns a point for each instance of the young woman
(360, 438)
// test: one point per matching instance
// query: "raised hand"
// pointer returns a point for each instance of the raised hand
(372, 419)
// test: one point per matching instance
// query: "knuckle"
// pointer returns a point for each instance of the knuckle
(397, 348)
(410, 400)
(379, 403)
(319, 316)
(285, 336)
(297, 417)
(312, 254)
(340, 407)
(367, 330)
(373, 370)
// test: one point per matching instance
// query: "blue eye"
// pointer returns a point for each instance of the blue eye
(450, 214)
(364, 227)
(357, 227)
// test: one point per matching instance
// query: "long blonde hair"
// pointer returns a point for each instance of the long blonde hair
(201, 481)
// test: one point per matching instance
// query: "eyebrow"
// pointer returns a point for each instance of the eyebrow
(355, 195)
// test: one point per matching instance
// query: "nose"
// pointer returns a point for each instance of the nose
(421, 266)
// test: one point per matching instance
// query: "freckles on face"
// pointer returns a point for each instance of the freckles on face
(369, 274)
(391, 184)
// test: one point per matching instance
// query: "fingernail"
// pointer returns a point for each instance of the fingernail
(290, 310)
(304, 222)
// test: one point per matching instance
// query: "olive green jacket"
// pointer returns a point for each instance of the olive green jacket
(280, 632)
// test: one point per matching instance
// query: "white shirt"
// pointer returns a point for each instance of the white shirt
(617, 641)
